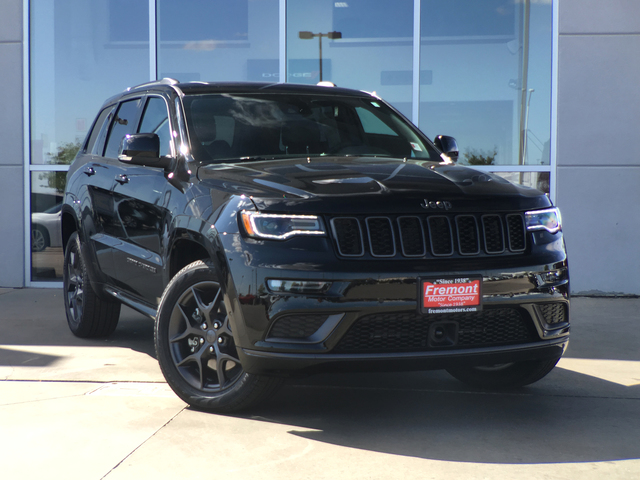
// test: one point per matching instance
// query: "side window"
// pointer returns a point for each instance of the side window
(123, 124)
(95, 145)
(97, 127)
(155, 119)
(372, 124)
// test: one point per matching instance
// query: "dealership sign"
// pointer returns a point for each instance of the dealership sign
(451, 295)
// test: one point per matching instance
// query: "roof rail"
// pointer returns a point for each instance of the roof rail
(164, 81)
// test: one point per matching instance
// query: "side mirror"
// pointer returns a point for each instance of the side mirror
(448, 146)
(143, 149)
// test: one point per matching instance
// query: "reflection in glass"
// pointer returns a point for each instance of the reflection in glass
(490, 78)
(374, 52)
(218, 40)
(262, 125)
(538, 180)
(46, 239)
(81, 54)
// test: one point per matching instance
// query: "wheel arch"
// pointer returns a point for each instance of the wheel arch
(187, 248)
(69, 225)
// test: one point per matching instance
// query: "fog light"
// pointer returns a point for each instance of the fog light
(554, 276)
(297, 286)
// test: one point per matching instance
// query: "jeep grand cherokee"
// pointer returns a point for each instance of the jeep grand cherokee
(272, 229)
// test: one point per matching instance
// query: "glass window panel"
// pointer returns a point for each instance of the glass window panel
(374, 52)
(47, 189)
(81, 54)
(486, 78)
(97, 128)
(123, 124)
(538, 180)
(291, 125)
(155, 119)
(372, 124)
(218, 40)
(103, 125)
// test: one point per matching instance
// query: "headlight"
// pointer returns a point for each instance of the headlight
(547, 219)
(280, 227)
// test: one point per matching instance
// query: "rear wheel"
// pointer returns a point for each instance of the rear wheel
(505, 375)
(87, 314)
(196, 348)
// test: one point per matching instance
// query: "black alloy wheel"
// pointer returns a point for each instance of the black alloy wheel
(196, 348)
(88, 315)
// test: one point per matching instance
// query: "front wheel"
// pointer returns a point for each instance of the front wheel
(196, 349)
(505, 375)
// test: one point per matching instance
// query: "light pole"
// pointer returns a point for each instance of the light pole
(526, 128)
(329, 35)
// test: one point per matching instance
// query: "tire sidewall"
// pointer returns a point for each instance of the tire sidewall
(99, 317)
(73, 246)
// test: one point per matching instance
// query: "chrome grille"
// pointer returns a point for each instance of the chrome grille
(440, 236)
(380, 233)
(516, 235)
(347, 233)
(468, 238)
(413, 236)
(493, 233)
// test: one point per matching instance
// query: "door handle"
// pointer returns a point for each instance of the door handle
(89, 171)
(122, 179)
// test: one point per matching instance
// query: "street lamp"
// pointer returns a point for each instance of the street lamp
(329, 35)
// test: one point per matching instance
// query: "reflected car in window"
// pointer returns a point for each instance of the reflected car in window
(45, 229)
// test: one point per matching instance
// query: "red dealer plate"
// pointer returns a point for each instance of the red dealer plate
(451, 295)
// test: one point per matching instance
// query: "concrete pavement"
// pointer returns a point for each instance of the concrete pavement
(80, 409)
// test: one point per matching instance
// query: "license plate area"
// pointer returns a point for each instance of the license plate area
(450, 295)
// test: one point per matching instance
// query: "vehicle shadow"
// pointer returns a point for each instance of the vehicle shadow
(432, 416)
(31, 317)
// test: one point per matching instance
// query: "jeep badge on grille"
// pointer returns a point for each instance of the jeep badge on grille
(436, 204)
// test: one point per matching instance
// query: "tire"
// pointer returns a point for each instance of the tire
(504, 376)
(39, 238)
(196, 349)
(88, 315)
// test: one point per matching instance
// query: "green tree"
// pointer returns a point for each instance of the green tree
(481, 157)
(64, 156)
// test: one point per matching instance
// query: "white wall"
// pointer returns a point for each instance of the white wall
(598, 152)
(12, 255)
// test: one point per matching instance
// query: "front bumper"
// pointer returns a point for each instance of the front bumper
(369, 318)
(279, 363)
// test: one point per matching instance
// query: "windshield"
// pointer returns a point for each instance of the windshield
(264, 126)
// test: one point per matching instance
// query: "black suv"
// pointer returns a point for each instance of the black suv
(273, 229)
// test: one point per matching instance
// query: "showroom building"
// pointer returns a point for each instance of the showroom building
(531, 89)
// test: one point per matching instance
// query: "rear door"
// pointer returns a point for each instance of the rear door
(97, 214)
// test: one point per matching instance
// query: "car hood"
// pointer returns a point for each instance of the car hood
(364, 184)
